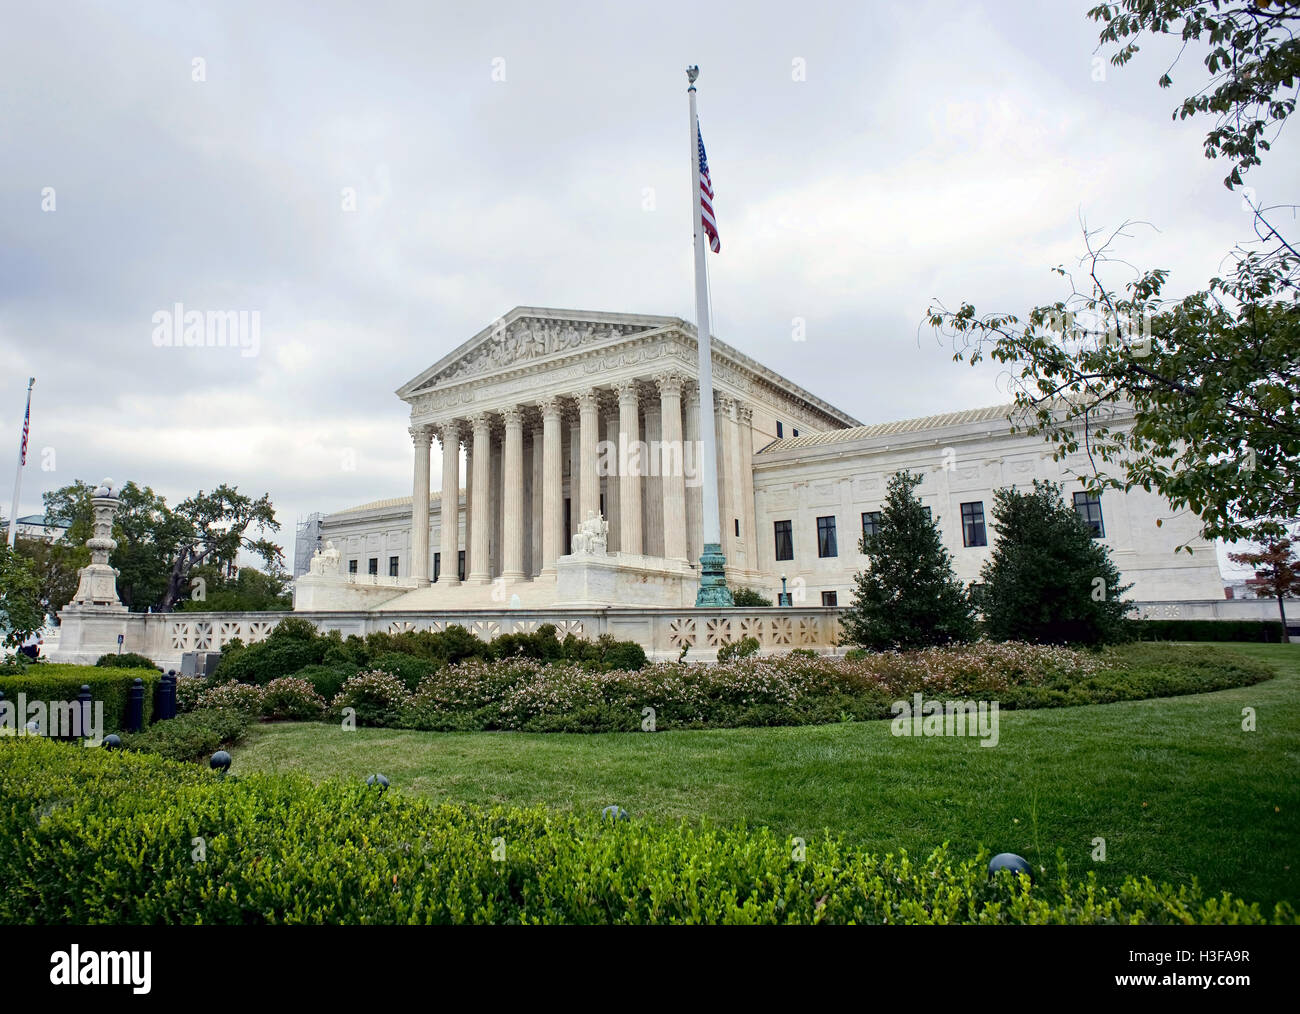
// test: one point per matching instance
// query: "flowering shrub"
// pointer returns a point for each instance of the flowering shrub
(242, 697)
(526, 694)
(799, 688)
(292, 698)
(188, 690)
(376, 697)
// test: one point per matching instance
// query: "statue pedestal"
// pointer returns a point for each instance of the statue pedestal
(97, 590)
(621, 579)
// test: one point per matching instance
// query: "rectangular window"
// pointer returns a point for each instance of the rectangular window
(972, 524)
(737, 520)
(870, 525)
(830, 598)
(784, 541)
(794, 433)
(373, 566)
(437, 566)
(1088, 507)
(460, 565)
(780, 430)
(929, 514)
(392, 566)
(352, 566)
(826, 537)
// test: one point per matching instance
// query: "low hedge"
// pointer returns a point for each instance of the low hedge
(93, 837)
(54, 681)
(1269, 631)
(125, 660)
(191, 736)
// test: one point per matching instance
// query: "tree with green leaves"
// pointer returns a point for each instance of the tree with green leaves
(21, 614)
(1192, 397)
(250, 590)
(57, 565)
(908, 597)
(159, 547)
(1048, 580)
(1277, 573)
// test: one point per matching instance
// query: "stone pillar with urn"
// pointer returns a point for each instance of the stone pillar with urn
(97, 586)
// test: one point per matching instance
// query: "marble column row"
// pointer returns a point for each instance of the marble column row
(652, 509)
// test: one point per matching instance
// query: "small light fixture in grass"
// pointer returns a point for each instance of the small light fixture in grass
(1010, 861)
(112, 741)
(380, 780)
(220, 762)
(613, 813)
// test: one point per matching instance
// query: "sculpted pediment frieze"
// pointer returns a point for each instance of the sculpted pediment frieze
(526, 339)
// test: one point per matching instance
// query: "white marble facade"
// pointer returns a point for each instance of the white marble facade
(542, 413)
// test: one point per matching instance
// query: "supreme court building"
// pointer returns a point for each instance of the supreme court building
(580, 433)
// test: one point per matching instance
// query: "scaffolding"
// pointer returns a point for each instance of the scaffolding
(306, 543)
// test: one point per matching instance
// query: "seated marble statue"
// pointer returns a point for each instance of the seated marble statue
(592, 536)
(326, 562)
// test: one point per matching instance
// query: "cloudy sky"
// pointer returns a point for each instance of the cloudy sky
(538, 154)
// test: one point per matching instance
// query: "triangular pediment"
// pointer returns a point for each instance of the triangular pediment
(528, 334)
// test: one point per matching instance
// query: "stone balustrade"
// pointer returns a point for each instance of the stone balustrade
(165, 637)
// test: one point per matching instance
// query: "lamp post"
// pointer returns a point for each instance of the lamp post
(785, 599)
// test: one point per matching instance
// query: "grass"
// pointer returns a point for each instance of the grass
(1174, 785)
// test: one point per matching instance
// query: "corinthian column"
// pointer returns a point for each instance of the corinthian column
(588, 484)
(450, 548)
(422, 438)
(723, 427)
(512, 473)
(695, 485)
(483, 507)
(552, 485)
(671, 464)
(630, 467)
(745, 459)
(535, 526)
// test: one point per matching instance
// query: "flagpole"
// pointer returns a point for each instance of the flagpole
(18, 472)
(713, 589)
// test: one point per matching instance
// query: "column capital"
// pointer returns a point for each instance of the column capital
(744, 412)
(723, 404)
(449, 431)
(588, 399)
(670, 384)
(628, 390)
(481, 421)
(692, 395)
(421, 435)
(513, 417)
(549, 407)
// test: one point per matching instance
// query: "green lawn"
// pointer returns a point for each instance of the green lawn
(1174, 785)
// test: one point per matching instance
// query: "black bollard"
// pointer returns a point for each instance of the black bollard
(166, 707)
(135, 707)
(84, 706)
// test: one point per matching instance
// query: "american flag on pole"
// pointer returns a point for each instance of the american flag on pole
(27, 426)
(706, 195)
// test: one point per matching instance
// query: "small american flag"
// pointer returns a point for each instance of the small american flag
(27, 426)
(706, 195)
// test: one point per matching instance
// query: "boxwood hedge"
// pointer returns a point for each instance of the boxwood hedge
(52, 681)
(1269, 631)
(88, 836)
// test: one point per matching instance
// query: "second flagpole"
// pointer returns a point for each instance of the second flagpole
(713, 589)
(22, 458)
